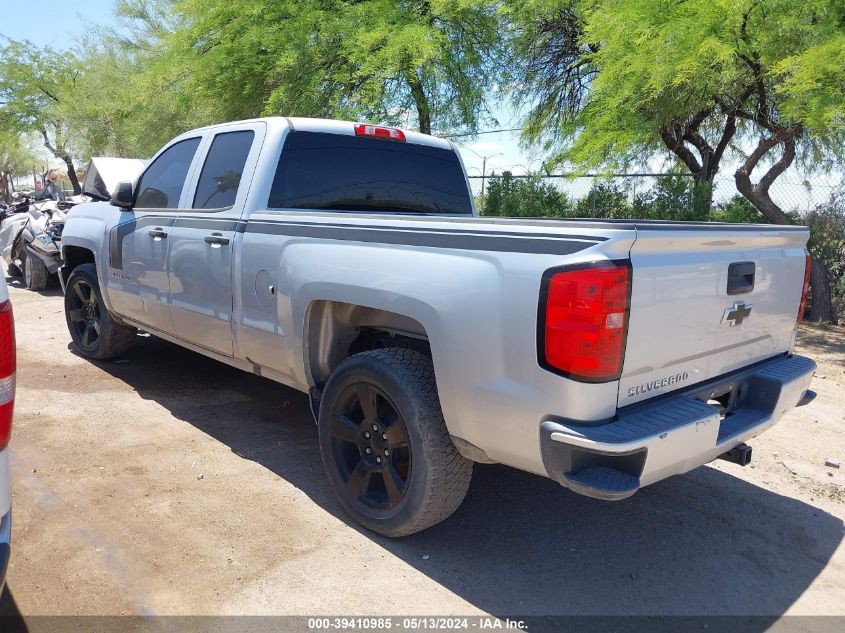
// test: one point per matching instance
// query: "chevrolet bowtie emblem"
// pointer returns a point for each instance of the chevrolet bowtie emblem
(737, 313)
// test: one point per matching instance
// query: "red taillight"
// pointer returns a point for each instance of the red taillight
(808, 268)
(584, 320)
(377, 131)
(7, 372)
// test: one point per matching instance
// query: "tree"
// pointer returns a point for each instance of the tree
(372, 59)
(827, 246)
(134, 95)
(524, 197)
(16, 159)
(762, 78)
(35, 85)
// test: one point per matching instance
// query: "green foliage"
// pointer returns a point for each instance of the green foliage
(827, 243)
(524, 197)
(35, 85)
(605, 200)
(650, 65)
(737, 209)
(376, 59)
(676, 197)
(16, 159)
(136, 93)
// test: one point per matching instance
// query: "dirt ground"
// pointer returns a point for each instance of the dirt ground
(166, 483)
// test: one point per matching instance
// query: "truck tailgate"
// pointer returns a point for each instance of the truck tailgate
(685, 326)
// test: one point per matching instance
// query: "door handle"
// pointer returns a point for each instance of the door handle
(216, 240)
(157, 234)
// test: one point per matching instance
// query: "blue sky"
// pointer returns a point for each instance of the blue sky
(51, 22)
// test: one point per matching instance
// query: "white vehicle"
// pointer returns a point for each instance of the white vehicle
(345, 260)
(7, 405)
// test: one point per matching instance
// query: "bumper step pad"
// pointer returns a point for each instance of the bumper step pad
(613, 483)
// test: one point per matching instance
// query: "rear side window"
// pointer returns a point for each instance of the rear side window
(352, 173)
(161, 185)
(224, 166)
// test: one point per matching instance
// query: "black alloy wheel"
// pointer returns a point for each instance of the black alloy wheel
(370, 447)
(385, 447)
(96, 333)
(84, 314)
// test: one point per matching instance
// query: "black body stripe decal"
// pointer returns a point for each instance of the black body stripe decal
(218, 224)
(464, 230)
(422, 237)
(469, 239)
(120, 231)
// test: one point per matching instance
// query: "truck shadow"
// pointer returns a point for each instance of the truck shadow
(706, 543)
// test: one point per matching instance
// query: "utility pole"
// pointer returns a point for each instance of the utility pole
(483, 168)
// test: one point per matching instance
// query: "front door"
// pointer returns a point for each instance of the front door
(138, 283)
(202, 240)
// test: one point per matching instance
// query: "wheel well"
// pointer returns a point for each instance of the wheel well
(73, 256)
(337, 330)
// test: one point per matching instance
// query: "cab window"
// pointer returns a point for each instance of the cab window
(351, 173)
(223, 169)
(161, 184)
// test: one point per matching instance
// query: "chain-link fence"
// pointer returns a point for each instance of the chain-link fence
(664, 196)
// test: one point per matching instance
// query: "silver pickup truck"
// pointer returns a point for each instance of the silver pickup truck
(346, 261)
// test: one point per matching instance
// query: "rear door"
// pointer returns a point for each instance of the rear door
(138, 283)
(202, 241)
(707, 300)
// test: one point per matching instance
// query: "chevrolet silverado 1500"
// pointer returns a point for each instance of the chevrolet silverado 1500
(346, 260)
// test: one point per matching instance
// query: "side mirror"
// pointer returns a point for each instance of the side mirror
(122, 196)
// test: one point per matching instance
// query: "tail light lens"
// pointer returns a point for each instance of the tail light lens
(808, 268)
(7, 372)
(378, 131)
(584, 320)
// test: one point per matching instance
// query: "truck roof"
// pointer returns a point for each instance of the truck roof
(329, 126)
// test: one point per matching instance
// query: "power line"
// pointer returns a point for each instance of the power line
(513, 129)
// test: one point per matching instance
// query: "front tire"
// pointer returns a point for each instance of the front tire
(95, 332)
(386, 451)
(34, 273)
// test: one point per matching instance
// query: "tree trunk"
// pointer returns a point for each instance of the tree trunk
(821, 310)
(71, 174)
(421, 101)
(58, 150)
(758, 195)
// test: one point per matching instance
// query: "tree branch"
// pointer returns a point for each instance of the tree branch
(47, 142)
(727, 135)
(779, 167)
(677, 147)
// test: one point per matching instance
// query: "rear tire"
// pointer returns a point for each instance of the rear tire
(95, 332)
(386, 451)
(13, 270)
(34, 273)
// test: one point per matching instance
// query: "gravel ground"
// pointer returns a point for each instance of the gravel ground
(166, 483)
